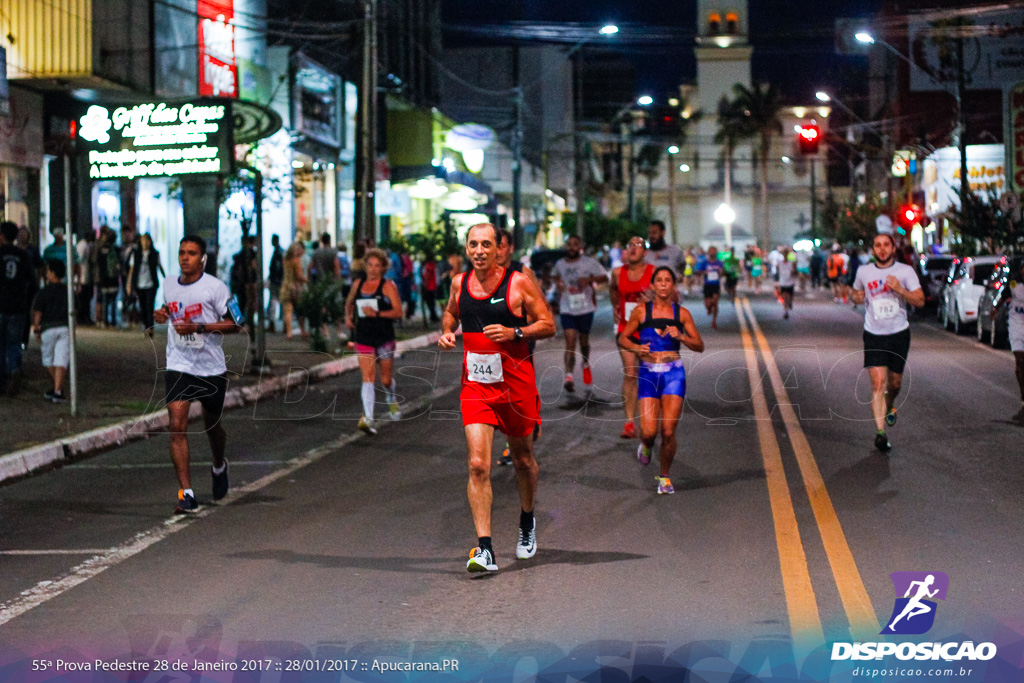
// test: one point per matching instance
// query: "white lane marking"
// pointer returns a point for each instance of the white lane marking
(83, 551)
(47, 590)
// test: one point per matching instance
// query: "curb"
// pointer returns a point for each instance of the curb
(24, 462)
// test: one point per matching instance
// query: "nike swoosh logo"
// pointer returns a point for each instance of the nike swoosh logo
(497, 301)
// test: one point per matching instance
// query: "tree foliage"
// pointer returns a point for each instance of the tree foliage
(980, 219)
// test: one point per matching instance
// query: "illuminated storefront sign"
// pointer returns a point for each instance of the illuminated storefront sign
(1017, 137)
(157, 139)
(218, 69)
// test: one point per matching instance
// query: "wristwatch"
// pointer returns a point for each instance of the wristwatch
(201, 328)
(518, 333)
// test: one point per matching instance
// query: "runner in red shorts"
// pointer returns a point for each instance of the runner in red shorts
(498, 386)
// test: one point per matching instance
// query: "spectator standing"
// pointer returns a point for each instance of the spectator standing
(50, 325)
(130, 314)
(428, 279)
(292, 285)
(24, 241)
(17, 277)
(87, 277)
(817, 265)
(405, 283)
(57, 251)
(108, 271)
(325, 261)
(275, 277)
(143, 279)
(358, 265)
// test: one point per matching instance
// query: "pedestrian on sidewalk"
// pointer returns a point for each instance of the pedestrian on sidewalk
(108, 274)
(17, 279)
(196, 305)
(428, 280)
(50, 325)
(293, 283)
(87, 279)
(144, 273)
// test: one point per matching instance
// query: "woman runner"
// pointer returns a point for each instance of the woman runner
(663, 327)
(371, 308)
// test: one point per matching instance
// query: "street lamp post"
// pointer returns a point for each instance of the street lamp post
(868, 38)
(672, 151)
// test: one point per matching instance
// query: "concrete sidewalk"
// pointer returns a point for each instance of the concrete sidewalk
(121, 391)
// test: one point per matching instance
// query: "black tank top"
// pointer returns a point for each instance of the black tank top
(476, 314)
(373, 331)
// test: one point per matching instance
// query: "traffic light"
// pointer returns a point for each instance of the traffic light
(909, 215)
(808, 137)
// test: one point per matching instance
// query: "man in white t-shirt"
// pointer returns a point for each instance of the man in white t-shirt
(661, 254)
(575, 276)
(887, 288)
(196, 305)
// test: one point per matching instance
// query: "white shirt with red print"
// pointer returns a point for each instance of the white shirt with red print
(885, 311)
(203, 301)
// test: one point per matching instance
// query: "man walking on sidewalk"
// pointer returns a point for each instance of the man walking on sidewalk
(16, 279)
(196, 304)
(50, 324)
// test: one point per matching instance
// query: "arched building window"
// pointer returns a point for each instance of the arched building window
(732, 23)
(714, 23)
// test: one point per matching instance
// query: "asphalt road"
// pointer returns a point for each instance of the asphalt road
(334, 547)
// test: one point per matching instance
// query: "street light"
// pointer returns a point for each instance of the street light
(673, 149)
(725, 215)
(645, 100)
(867, 38)
(580, 167)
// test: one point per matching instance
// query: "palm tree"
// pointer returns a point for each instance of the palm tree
(761, 106)
(732, 127)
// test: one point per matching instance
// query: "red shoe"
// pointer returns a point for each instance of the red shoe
(628, 431)
(588, 376)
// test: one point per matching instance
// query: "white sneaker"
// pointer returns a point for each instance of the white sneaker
(395, 411)
(481, 560)
(527, 546)
(367, 426)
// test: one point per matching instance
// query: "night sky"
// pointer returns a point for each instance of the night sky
(794, 40)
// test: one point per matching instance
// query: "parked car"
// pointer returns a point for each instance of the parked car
(964, 287)
(997, 290)
(932, 270)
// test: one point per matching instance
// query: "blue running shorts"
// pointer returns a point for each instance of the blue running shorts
(660, 379)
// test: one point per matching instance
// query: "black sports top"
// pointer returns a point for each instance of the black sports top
(476, 314)
(373, 331)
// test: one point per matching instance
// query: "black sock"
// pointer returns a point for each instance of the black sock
(526, 520)
(485, 543)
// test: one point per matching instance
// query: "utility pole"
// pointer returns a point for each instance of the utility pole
(672, 196)
(814, 194)
(366, 158)
(517, 159)
(961, 86)
(70, 275)
(579, 148)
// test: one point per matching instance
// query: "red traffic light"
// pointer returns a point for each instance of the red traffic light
(808, 138)
(910, 215)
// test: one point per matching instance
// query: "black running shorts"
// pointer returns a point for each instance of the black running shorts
(887, 350)
(209, 391)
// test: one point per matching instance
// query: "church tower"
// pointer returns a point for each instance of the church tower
(723, 59)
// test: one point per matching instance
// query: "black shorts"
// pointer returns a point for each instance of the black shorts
(209, 391)
(712, 289)
(887, 350)
(788, 289)
(731, 281)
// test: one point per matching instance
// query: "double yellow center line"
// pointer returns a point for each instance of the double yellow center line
(805, 621)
